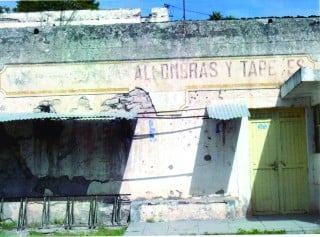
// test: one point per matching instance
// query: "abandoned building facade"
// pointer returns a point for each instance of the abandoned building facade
(192, 119)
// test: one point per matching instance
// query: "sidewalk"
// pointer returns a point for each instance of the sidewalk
(298, 224)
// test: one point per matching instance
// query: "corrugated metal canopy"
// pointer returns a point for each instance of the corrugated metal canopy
(228, 110)
(6, 117)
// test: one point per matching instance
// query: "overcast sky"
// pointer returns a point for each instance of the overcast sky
(200, 9)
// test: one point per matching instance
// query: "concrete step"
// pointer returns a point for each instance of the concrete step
(204, 208)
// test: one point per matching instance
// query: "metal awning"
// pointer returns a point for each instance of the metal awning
(6, 117)
(305, 82)
(228, 110)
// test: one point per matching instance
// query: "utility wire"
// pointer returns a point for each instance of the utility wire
(179, 8)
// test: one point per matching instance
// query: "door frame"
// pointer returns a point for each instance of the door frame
(276, 118)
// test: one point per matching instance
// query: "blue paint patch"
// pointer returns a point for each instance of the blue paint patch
(152, 131)
(262, 126)
(218, 131)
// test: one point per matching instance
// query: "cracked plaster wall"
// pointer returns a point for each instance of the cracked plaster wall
(191, 39)
(69, 157)
(63, 157)
(161, 40)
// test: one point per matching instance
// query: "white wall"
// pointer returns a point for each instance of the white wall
(81, 17)
(172, 162)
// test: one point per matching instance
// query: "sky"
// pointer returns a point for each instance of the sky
(201, 9)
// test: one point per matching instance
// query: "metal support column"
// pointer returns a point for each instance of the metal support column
(45, 219)
(93, 215)
(1, 210)
(22, 214)
(69, 218)
(116, 212)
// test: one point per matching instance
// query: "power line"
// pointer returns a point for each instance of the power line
(187, 10)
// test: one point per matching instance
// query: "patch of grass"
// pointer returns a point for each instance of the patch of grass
(100, 232)
(35, 233)
(8, 225)
(150, 220)
(57, 221)
(259, 232)
(110, 232)
(34, 225)
(208, 233)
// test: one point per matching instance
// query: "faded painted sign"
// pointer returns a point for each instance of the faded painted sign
(159, 75)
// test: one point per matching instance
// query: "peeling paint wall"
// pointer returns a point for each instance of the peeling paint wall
(81, 17)
(190, 39)
(63, 157)
(168, 159)
(189, 158)
(69, 157)
(152, 157)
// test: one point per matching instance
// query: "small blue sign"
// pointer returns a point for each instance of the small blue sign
(262, 126)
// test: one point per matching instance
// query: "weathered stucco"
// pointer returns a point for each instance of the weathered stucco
(164, 154)
(161, 40)
(64, 157)
(81, 17)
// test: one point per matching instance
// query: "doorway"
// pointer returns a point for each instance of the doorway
(278, 154)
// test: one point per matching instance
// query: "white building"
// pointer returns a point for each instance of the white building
(220, 115)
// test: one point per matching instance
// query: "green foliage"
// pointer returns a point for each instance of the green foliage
(229, 18)
(214, 16)
(150, 220)
(43, 5)
(207, 233)
(35, 233)
(8, 225)
(57, 221)
(33, 225)
(259, 232)
(100, 232)
(4, 9)
(110, 232)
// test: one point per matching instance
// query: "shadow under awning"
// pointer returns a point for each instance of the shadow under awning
(7, 117)
(228, 110)
(304, 82)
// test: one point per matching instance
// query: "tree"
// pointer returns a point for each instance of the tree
(229, 18)
(214, 16)
(4, 9)
(43, 5)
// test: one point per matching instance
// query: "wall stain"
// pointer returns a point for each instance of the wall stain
(63, 157)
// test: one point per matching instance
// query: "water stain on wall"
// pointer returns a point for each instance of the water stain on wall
(62, 156)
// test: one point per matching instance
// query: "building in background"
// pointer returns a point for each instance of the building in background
(193, 119)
